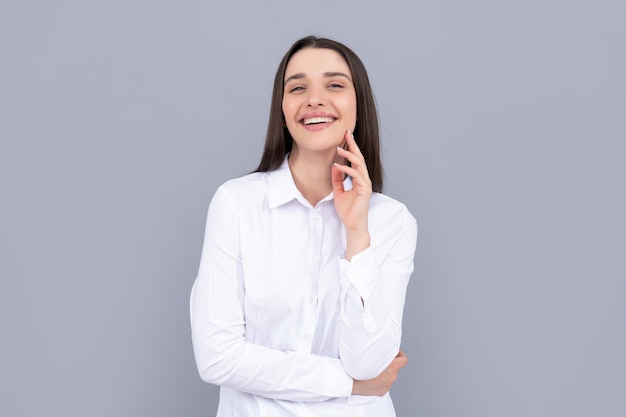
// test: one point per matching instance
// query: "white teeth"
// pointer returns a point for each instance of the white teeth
(317, 120)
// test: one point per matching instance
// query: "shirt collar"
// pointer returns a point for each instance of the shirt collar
(282, 189)
(280, 186)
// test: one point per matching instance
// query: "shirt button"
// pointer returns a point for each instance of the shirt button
(306, 337)
(311, 299)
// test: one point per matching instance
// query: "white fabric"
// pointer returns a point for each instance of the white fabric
(279, 319)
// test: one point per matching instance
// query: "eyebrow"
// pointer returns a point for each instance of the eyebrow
(302, 75)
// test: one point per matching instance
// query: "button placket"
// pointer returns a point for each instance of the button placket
(310, 298)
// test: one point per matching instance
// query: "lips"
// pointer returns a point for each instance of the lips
(317, 118)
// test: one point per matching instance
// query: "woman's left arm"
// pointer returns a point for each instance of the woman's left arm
(373, 282)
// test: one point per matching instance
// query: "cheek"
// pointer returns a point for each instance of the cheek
(289, 108)
(349, 108)
(289, 113)
(347, 103)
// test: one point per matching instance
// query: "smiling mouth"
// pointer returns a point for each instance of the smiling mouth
(317, 120)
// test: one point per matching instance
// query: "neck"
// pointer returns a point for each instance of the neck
(311, 172)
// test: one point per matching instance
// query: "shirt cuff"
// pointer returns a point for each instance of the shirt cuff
(361, 272)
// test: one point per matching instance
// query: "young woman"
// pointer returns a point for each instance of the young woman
(297, 307)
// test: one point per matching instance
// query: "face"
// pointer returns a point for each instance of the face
(319, 100)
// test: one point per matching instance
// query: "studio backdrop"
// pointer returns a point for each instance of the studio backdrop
(503, 131)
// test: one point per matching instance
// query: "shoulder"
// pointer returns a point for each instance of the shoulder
(390, 219)
(387, 208)
(245, 184)
(243, 190)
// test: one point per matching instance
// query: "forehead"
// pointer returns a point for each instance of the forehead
(315, 62)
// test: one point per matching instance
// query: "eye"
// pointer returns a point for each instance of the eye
(335, 85)
(296, 89)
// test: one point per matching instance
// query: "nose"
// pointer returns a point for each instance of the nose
(316, 96)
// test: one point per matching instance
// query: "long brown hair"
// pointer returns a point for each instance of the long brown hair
(278, 141)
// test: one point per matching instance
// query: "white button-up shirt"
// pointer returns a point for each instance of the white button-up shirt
(280, 320)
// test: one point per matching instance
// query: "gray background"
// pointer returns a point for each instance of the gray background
(504, 132)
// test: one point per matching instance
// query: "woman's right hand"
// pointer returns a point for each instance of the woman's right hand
(383, 382)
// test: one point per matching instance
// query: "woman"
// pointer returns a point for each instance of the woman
(297, 307)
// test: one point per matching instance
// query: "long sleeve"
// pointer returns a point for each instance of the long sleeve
(374, 286)
(223, 355)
